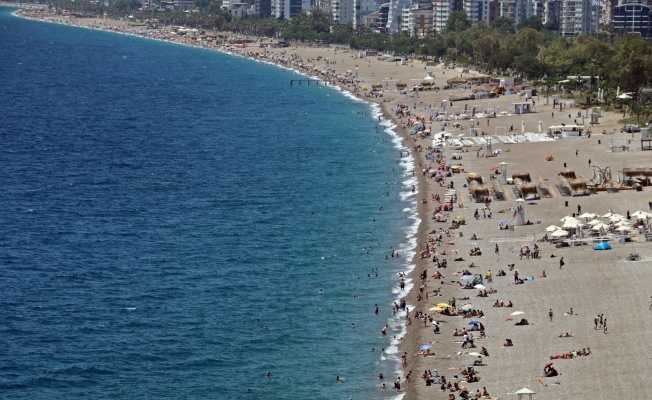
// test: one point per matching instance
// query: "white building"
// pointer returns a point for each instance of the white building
(579, 17)
(517, 9)
(395, 15)
(342, 11)
(441, 12)
(477, 10)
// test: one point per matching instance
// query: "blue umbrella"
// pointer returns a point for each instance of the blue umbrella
(466, 277)
(602, 246)
(501, 221)
(474, 322)
(426, 347)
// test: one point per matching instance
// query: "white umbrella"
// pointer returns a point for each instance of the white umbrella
(594, 222)
(599, 226)
(517, 313)
(571, 224)
(568, 218)
(588, 215)
(624, 229)
(608, 215)
(524, 391)
(639, 214)
(623, 223)
(480, 286)
(615, 219)
(559, 233)
(552, 228)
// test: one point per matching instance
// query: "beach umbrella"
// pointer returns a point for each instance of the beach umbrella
(526, 390)
(474, 353)
(571, 224)
(444, 305)
(568, 218)
(480, 286)
(608, 215)
(559, 233)
(502, 221)
(624, 228)
(527, 245)
(588, 215)
(552, 228)
(426, 347)
(467, 307)
(599, 226)
(493, 168)
(436, 309)
(466, 277)
(517, 313)
(594, 222)
(602, 246)
(460, 218)
(474, 322)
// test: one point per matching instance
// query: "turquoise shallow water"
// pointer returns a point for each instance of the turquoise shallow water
(165, 234)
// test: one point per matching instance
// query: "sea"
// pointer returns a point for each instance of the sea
(178, 223)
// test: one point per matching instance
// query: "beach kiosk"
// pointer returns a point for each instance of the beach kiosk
(524, 392)
(524, 108)
(503, 173)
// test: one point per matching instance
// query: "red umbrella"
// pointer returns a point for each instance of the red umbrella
(547, 365)
(493, 168)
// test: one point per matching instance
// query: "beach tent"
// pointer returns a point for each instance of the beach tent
(602, 246)
(559, 233)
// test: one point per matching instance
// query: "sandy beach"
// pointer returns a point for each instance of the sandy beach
(590, 282)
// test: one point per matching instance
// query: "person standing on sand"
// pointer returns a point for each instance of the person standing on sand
(550, 314)
(579, 209)
(604, 325)
(561, 262)
(496, 249)
(597, 318)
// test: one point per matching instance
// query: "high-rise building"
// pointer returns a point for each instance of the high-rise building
(517, 9)
(395, 15)
(361, 9)
(289, 8)
(342, 11)
(632, 16)
(442, 10)
(263, 8)
(579, 17)
(551, 12)
(477, 10)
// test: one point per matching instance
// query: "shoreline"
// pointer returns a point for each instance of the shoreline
(587, 284)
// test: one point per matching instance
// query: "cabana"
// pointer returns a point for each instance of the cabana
(578, 188)
(529, 191)
(568, 174)
(523, 176)
(480, 193)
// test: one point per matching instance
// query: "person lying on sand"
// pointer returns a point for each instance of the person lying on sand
(564, 335)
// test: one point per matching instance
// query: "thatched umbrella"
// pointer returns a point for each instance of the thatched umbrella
(630, 172)
(528, 189)
(480, 192)
(578, 186)
(426, 83)
(401, 85)
(568, 174)
(377, 86)
(523, 176)
(472, 176)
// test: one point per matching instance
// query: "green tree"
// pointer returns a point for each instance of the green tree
(458, 22)
(533, 22)
(504, 25)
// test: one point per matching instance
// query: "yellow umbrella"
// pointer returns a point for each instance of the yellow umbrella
(445, 305)
(436, 309)
(460, 218)
(364, 88)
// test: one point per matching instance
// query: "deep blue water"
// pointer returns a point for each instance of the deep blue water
(162, 207)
